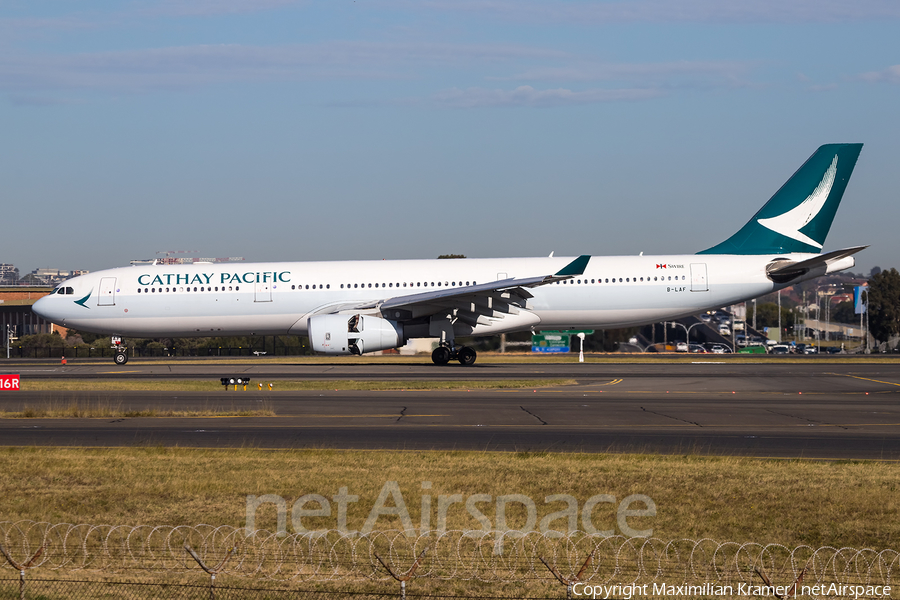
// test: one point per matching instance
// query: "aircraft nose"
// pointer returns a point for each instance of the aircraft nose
(42, 308)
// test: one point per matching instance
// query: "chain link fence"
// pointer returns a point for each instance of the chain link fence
(487, 563)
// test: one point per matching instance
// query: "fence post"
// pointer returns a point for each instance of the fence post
(792, 592)
(569, 582)
(211, 570)
(406, 576)
(22, 567)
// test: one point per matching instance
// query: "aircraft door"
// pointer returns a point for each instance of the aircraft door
(698, 277)
(107, 295)
(263, 292)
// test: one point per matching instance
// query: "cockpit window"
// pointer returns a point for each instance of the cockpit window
(70, 290)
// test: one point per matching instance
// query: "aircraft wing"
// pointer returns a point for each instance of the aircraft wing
(574, 268)
(473, 304)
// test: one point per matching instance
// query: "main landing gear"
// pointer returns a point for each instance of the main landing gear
(444, 354)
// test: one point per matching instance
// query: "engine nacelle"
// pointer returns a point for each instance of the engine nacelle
(353, 334)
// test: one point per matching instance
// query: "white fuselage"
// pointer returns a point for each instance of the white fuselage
(224, 299)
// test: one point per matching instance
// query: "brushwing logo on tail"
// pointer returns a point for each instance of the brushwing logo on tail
(790, 223)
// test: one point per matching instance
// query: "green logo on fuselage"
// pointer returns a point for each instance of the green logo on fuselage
(85, 299)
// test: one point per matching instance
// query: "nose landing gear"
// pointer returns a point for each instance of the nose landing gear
(121, 350)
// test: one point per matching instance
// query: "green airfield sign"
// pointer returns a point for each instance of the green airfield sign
(555, 341)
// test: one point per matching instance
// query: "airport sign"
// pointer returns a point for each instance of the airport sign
(550, 342)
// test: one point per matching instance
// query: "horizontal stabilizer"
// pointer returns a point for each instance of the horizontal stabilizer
(784, 270)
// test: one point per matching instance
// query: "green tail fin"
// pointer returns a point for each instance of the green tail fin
(797, 218)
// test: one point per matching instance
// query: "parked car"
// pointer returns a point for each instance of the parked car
(810, 350)
(757, 349)
(833, 350)
(719, 349)
(724, 330)
(697, 349)
(681, 347)
(780, 349)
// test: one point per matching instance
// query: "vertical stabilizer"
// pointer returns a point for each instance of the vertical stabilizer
(797, 218)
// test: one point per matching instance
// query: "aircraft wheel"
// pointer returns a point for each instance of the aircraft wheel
(466, 356)
(121, 358)
(441, 355)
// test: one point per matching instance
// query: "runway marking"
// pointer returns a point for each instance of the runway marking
(116, 372)
(867, 379)
(711, 429)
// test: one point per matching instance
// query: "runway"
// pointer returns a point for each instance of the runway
(813, 409)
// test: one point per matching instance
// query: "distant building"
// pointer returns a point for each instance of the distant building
(53, 276)
(171, 260)
(9, 274)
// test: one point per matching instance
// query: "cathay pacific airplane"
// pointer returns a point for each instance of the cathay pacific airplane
(362, 306)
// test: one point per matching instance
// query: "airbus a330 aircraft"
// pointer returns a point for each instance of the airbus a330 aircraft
(363, 306)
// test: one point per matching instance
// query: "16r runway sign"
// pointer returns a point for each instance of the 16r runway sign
(9, 382)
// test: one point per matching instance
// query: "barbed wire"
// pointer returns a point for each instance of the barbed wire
(483, 556)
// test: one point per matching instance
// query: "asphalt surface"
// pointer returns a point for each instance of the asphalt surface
(813, 409)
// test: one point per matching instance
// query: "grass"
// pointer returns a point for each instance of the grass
(105, 410)
(839, 504)
(726, 498)
(195, 385)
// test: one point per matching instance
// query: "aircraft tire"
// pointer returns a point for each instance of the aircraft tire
(466, 356)
(441, 355)
(121, 358)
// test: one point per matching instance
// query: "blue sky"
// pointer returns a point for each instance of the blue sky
(281, 130)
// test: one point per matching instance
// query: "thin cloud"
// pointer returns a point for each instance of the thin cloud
(209, 8)
(889, 75)
(530, 97)
(590, 71)
(667, 11)
(192, 66)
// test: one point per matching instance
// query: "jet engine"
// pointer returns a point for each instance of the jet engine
(353, 334)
